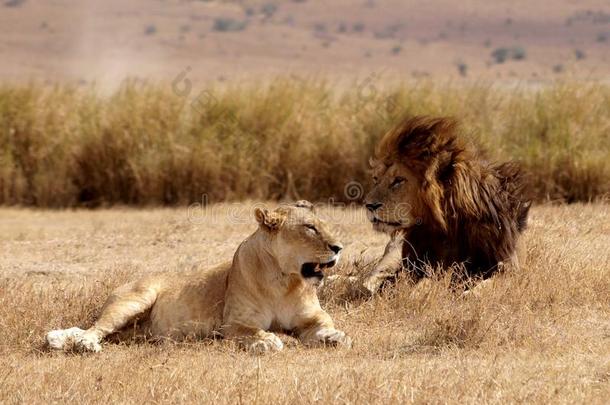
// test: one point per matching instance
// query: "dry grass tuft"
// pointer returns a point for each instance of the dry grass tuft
(147, 145)
(538, 335)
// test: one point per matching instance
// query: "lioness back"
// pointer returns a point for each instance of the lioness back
(191, 304)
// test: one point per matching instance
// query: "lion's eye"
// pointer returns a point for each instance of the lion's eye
(397, 182)
(375, 180)
(311, 228)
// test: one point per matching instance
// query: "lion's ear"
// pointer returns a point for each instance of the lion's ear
(270, 221)
(304, 204)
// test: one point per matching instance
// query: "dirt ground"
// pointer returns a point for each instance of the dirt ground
(540, 335)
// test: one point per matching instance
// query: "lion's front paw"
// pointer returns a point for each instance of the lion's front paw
(268, 343)
(333, 337)
(372, 284)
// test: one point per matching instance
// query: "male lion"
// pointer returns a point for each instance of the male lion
(441, 204)
(269, 285)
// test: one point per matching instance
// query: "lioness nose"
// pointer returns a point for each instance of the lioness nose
(373, 206)
(335, 248)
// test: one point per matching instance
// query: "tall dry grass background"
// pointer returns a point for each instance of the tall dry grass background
(539, 335)
(63, 146)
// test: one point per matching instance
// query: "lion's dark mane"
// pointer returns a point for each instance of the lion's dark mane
(471, 211)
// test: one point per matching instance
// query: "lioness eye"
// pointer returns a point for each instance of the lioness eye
(397, 182)
(312, 227)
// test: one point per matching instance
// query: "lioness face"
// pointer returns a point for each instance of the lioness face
(392, 203)
(302, 242)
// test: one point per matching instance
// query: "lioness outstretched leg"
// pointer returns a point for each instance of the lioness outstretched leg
(122, 306)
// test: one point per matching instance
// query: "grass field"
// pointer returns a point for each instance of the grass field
(292, 138)
(539, 335)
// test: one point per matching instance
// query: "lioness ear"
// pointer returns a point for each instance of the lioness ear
(304, 204)
(268, 220)
(260, 214)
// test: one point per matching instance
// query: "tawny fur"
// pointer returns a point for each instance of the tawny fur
(260, 291)
(462, 209)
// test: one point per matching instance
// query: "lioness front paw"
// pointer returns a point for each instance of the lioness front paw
(268, 343)
(62, 339)
(88, 342)
(333, 337)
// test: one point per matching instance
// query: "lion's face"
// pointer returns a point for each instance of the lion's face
(393, 202)
(301, 242)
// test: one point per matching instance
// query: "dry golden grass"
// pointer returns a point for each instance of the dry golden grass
(539, 335)
(289, 138)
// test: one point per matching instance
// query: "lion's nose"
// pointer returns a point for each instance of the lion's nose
(373, 206)
(335, 248)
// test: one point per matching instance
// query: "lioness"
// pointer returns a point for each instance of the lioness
(269, 285)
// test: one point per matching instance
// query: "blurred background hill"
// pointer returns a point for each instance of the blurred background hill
(105, 41)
